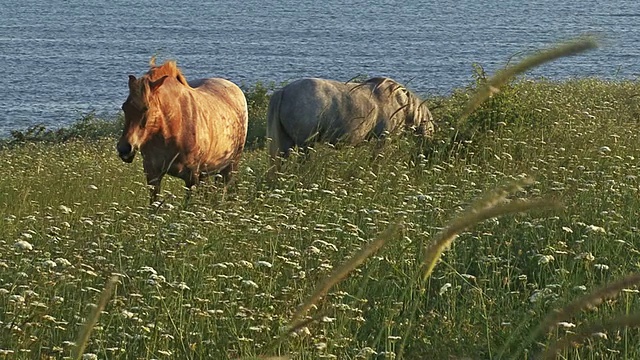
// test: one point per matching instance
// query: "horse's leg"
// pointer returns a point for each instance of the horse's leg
(279, 148)
(228, 176)
(153, 181)
(154, 178)
(191, 180)
(378, 148)
(227, 172)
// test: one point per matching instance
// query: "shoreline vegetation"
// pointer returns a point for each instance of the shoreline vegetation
(336, 259)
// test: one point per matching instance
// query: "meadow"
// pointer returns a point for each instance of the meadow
(221, 277)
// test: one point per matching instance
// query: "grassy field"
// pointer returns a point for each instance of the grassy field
(222, 277)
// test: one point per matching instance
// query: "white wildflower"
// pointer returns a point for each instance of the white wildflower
(245, 263)
(63, 262)
(567, 229)
(148, 269)
(444, 288)
(387, 355)
(65, 209)
(93, 187)
(49, 264)
(31, 293)
(326, 244)
(468, 277)
(585, 256)
(604, 149)
(366, 353)
(545, 259)
(601, 267)
(16, 298)
(264, 263)
(594, 228)
(541, 294)
(600, 335)
(23, 245)
(250, 283)
(313, 250)
(183, 286)
(633, 291)
(565, 324)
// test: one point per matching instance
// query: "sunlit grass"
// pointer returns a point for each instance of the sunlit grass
(223, 278)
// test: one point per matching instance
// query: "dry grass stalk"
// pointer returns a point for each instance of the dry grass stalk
(499, 195)
(446, 237)
(503, 76)
(304, 322)
(590, 300)
(341, 273)
(577, 338)
(92, 320)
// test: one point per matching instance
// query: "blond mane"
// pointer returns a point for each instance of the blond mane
(169, 68)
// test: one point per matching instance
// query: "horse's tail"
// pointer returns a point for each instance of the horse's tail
(275, 131)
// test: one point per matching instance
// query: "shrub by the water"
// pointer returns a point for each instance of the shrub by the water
(88, 127)
(91, 127)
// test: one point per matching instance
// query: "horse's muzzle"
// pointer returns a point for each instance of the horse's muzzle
(126, 152)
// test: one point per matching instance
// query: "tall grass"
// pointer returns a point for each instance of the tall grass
(223, 278)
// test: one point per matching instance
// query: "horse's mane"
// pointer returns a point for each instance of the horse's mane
(169, 68)
(376, 80)
(379, 80)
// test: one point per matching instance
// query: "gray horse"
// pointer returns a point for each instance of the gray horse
(319, 110)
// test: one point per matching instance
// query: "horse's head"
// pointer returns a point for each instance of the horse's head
(418, 116)
(412, 112)
(138, 116)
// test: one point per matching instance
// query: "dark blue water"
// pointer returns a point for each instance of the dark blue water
(62, 59)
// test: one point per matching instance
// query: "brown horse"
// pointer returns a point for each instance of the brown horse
(185, 129)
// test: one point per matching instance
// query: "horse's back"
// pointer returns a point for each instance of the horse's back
(327, 109)
(220, 129)
(221, 89)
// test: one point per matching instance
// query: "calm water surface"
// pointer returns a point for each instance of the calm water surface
(62, 59)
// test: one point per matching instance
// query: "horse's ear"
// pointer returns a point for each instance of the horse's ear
(132, 80)
(154, 85)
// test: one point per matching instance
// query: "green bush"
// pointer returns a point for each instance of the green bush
(257, 102)
(88, 127)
